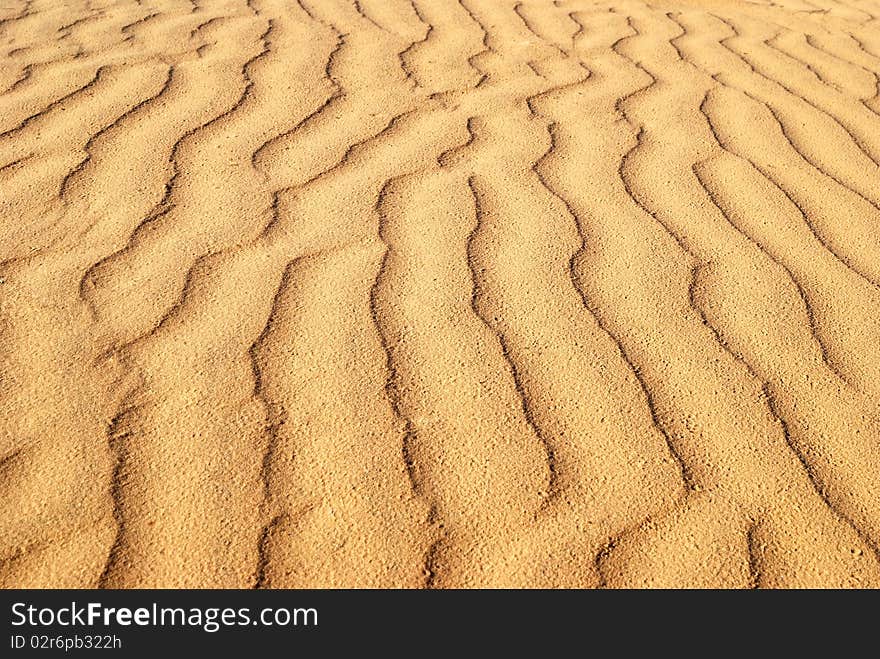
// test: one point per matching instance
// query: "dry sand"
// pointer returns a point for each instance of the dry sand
(430, 293)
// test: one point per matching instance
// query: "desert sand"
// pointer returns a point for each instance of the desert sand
(440, 293)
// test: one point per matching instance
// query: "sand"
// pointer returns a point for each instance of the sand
(436, 293)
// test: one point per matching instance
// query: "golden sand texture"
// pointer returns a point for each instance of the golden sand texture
(440, 293)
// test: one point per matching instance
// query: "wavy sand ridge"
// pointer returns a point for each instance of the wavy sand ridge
(431, 293)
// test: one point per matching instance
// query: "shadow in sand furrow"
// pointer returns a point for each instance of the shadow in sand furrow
(769, 67)
(807, 145)
(837, 422)
(661, 384)
(849, 326)
(358, 524)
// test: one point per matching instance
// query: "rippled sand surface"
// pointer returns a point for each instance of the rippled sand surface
(434, 293)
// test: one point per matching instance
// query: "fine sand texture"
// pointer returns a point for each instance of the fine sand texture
(440, 293)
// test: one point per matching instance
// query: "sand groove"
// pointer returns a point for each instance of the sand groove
(440, 293)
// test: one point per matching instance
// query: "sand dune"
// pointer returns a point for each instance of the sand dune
(440, 293)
